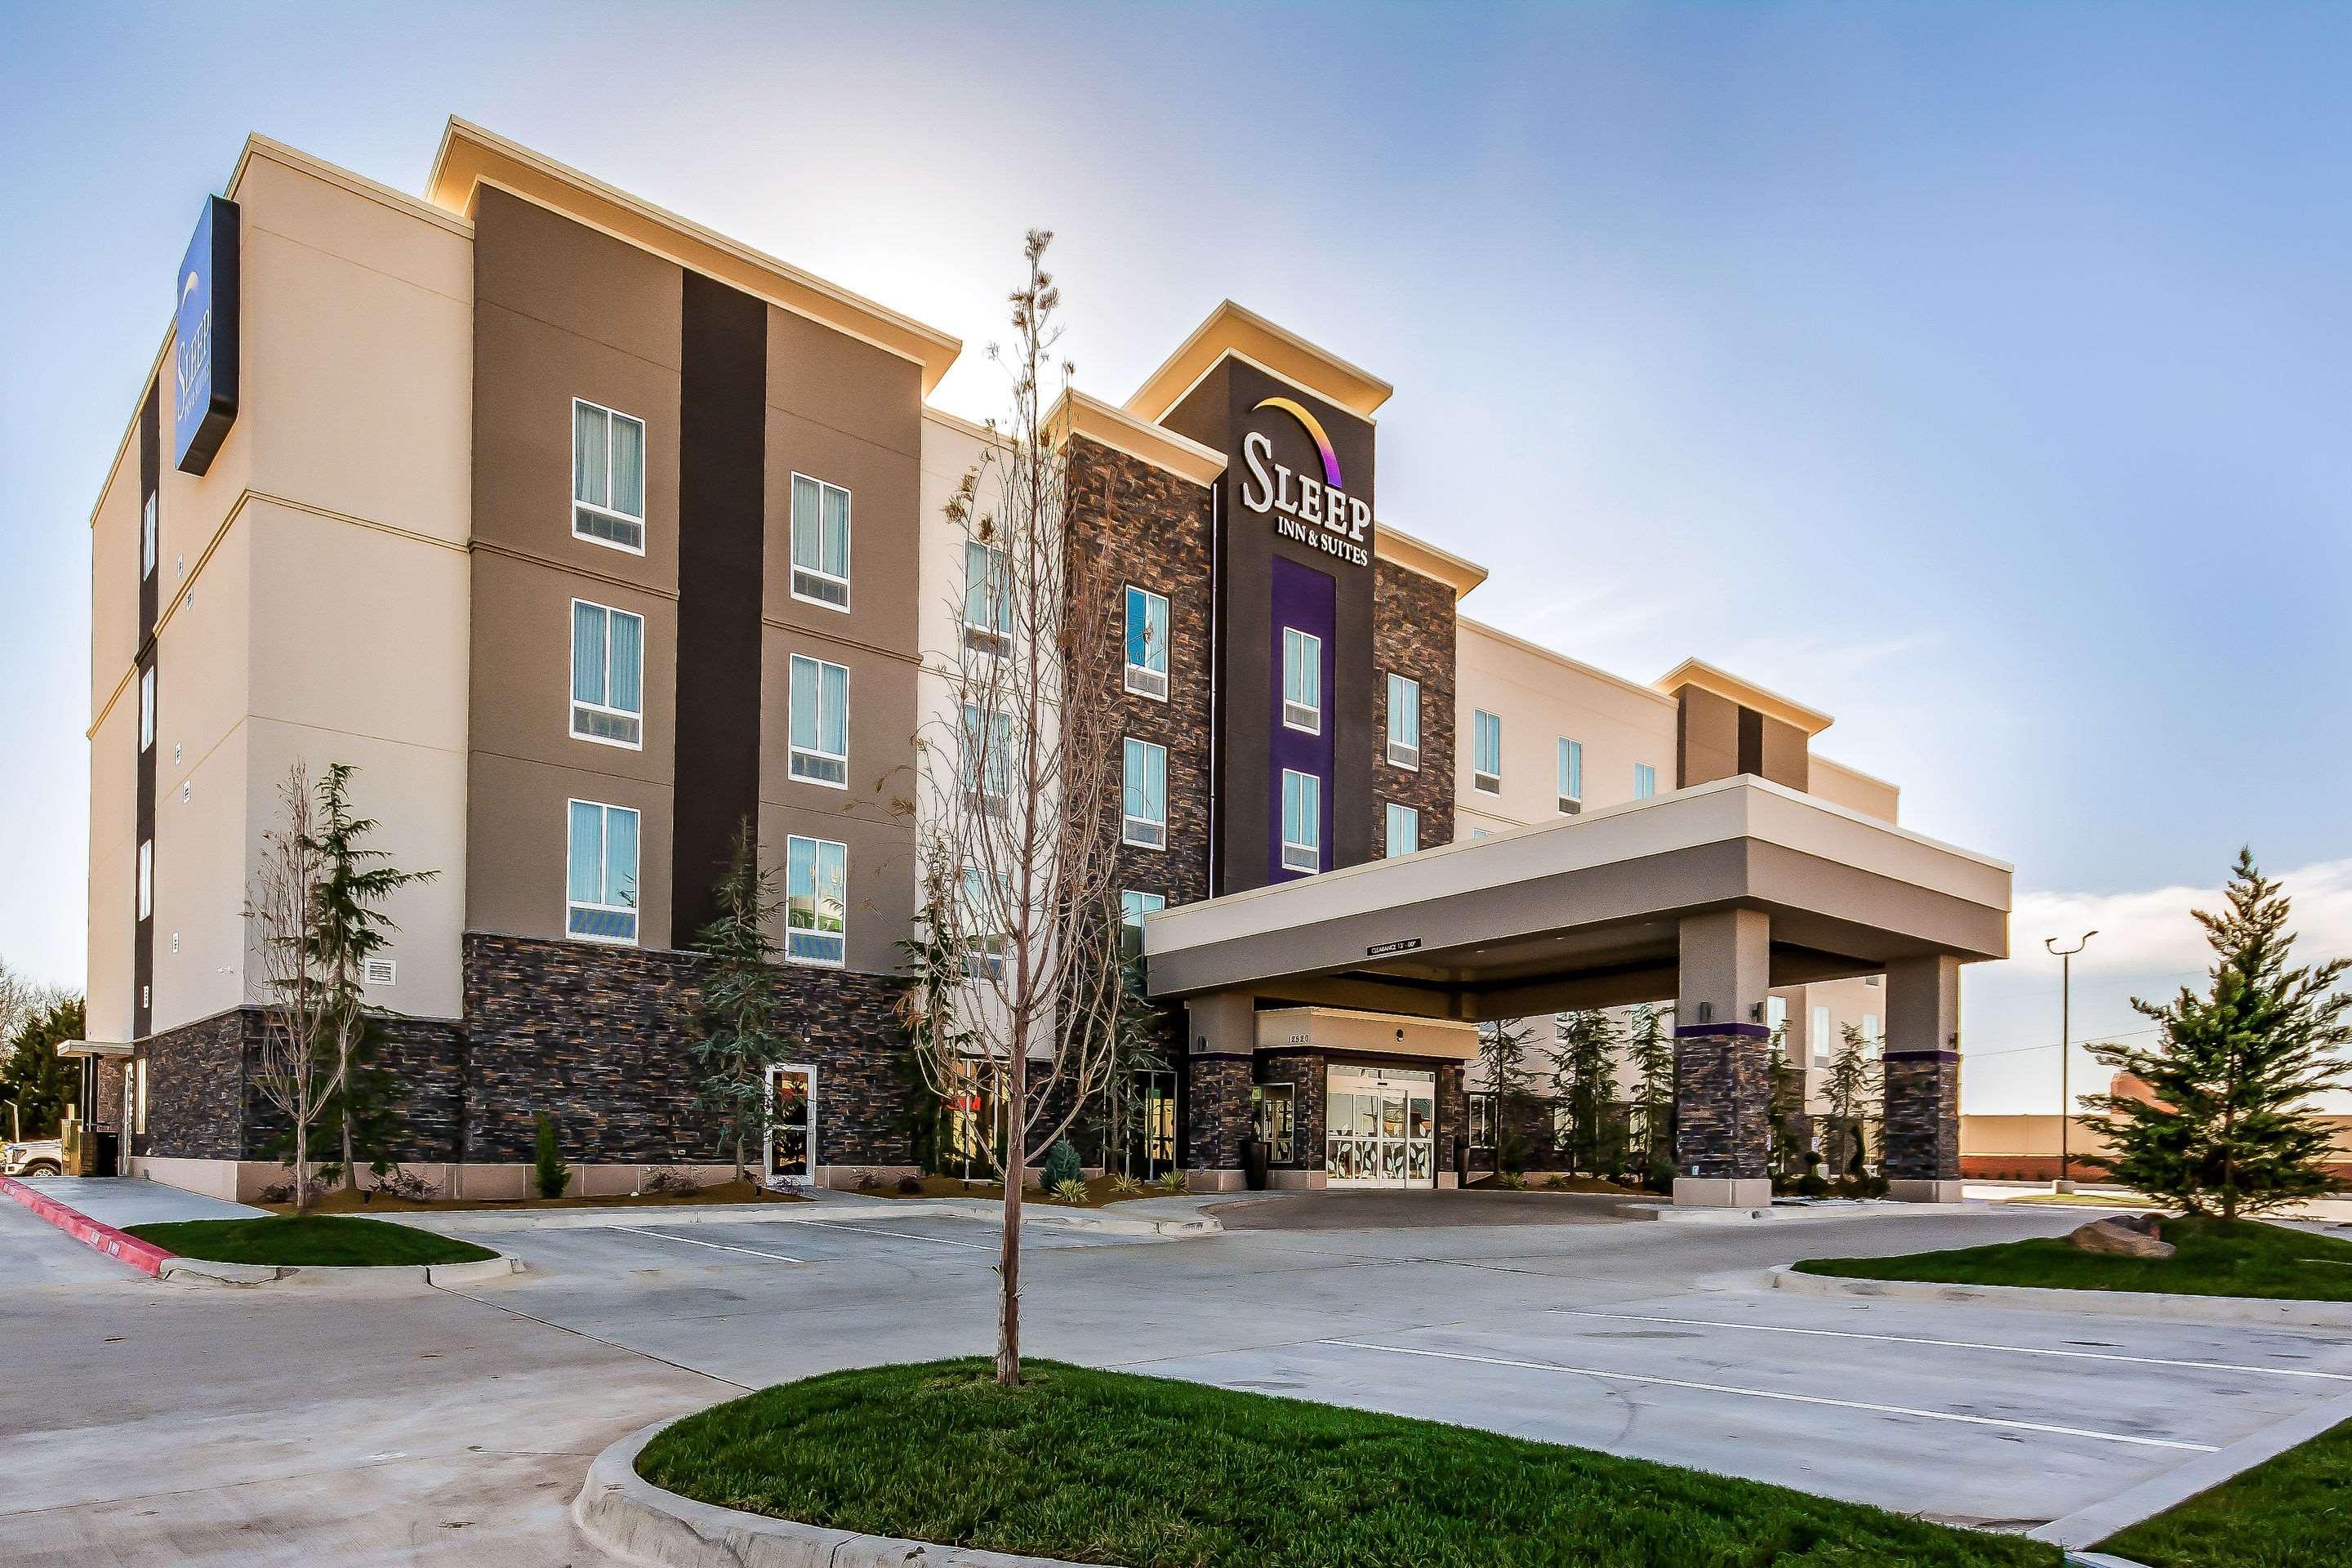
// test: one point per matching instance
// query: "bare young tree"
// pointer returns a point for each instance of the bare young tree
(297, 1072)
(1019, 835)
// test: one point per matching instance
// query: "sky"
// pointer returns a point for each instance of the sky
(1976, 374)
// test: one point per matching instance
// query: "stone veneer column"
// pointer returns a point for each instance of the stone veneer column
(1921, 1156)
(1721, 1119)
(1221, 1040)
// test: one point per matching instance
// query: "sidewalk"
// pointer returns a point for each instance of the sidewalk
(124, 1201)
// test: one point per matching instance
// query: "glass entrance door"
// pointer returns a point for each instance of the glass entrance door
(1147, 1109)
(792, 1126)
(1381, 1127)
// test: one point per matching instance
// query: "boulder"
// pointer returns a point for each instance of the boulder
(2125, 1235)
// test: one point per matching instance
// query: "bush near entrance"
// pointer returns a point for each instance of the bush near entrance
(1098, 1467)
(309, 1241)
(2216, 1258)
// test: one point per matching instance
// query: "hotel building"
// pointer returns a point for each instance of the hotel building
(584, 534)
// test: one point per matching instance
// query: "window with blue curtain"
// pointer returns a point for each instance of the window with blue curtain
(1571, 772)
(602, 873)
(1302, 821)
(820, 543)
(1144, 794)
(819, 748)
(1645, 781)
(816, 900)
(1147, 642)
(1402, 834)
(608, 649)
(987, 598)
(1302, 681)
(1404, 722)
(986, 759)
(1487, 750)
(608, 476)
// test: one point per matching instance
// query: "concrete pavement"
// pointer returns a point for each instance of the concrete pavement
(162, 1424)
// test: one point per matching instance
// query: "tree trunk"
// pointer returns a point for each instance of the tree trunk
(1008, 1267)
(301, 1163)
(351, 1171)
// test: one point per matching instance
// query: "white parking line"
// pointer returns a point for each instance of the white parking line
(1960, 1344)
(714, 1246)
(1791, 1398)
(904, 1235)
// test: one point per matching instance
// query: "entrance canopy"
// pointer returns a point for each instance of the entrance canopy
(1589, 911)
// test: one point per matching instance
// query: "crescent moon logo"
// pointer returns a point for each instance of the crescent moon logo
(1314, 428)
(187, 289)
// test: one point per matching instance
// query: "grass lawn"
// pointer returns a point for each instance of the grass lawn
(369, 1200)
(2244, 1257)
(1100, 1466)
(2082, 1200)
(2295, 1508)
(314, 1241)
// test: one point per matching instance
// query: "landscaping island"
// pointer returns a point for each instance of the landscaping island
(2295, 1508)
(2215, 1258)
(1100, 1466)
(309, 1241)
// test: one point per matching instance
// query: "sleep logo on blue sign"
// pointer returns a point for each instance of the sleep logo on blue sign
(204, 340)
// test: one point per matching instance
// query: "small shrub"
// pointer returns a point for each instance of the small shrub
(1661, 1173)
(663, 1180)
(1125, 1185)
(1874, 1186)
(1557, 1184)
(1171, 1182)
(277, 1192)
(910, 1185)
(405, 1184)
(1811, 1185)
(1061, 1166)
(1071, 1191)
(549, 1173)
(1511, 1181)
(868, 1181)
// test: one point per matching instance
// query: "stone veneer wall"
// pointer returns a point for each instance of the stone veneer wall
(1922, 1136)
(1722, 1119)
(600, 1035)
(195, 1089)
(1413, 635)
(1217, 1114)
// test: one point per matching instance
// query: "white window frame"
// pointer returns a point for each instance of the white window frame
(576, 704)
(150, 542)
(1143, 680)
(616, 513)
(1134, 904)
(817, 847)
(1820, 1032)
(1645, 782)
(1872, 1039)
(983, 951)
(1306, 718)
(794, 751)
(983, 637)
(604, 836)
(1481, 780)
(146, 878)
(791, 541)
(1310, 849)
(985, 761)
(1154, 835)
(1406, 754)
(1389, 815)
(1570, 769)
(147, 709)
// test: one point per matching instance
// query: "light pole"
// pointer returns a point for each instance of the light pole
(2066, 956)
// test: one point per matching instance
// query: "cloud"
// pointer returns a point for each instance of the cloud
(2153, 931)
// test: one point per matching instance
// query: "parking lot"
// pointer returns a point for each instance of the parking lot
(186, 1425)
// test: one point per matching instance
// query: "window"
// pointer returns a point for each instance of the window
(146, 707)
(1486, 751)
(146, 878)
(603, 882)
(1146, 643)
(1571, 776)
(147, 544)
(816, 900)
(1302, 681)
(986, 759)
(987, 599)
(608, 478)
(1776, 1013)
(1869, 1034)
(1276, 1113)
(820, 543)
(1819, 1033)
(1302, 821)
(820, 723)
(1144, 795)
(1482, 1122)
(1645, 781)
(1132, 906)
(1404, 722)
(983, 916)
(608, 661)
(1403, 834)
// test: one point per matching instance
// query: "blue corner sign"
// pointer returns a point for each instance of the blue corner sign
(204, 340)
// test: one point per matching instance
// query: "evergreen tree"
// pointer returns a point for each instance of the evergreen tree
(1503, 1053)
(1785, 1099)
(348, 926)
(739, 1038)
(1850, 1092)
(1650, 1050)
(34, 1078)
(2233, 1073)
(1585, 1075)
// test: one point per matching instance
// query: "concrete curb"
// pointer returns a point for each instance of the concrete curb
(1802, 1214)
(2098, 1303)
(630, 1517)
(388, 1279)
(983, 1210)
(2089, 1526)
(144, 1256)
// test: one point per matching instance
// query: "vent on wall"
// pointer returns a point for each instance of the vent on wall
(380, 971)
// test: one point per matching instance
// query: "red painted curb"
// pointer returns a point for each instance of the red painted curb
(144, 1256)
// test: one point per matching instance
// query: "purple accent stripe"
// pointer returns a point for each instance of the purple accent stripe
(1705, 1031)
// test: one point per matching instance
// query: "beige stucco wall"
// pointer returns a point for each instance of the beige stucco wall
(1542, 696)
(113, 746)
(1855, 789)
